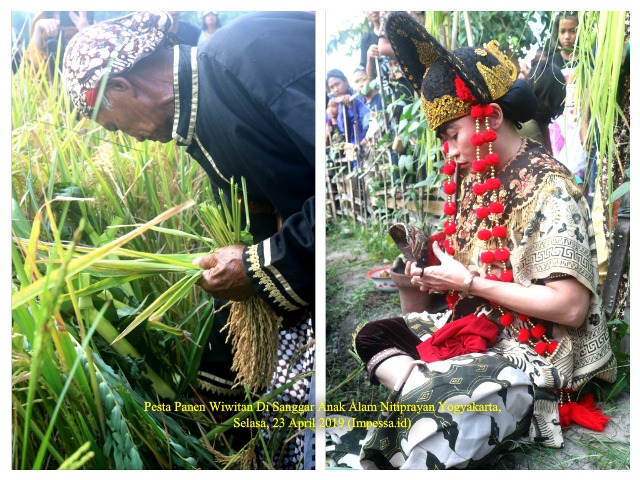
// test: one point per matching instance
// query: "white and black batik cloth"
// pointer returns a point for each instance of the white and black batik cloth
(296, 356)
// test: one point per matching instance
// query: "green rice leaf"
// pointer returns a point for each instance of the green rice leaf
(165, 301)
(80, 264)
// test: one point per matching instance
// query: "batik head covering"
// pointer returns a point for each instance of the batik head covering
(450, 83)
(113, 47)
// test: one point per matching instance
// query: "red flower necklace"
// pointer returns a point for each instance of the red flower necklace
(490, 231)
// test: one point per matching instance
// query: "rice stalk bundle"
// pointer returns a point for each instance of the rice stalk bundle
(253, 325)
(246, 459)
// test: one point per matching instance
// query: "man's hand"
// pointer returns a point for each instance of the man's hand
(79, 20)
(343, 99)
(373, 51)
(224, 275)
(44, 29)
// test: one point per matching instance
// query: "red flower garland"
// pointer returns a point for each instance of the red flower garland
(490, 210)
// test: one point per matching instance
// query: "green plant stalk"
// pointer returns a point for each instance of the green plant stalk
(165, 301)
(142, 263)
(33, 427)
(109, 333)
(61, 398)
(81, 305)
(260, 436)
(80, 264)
(44, 316)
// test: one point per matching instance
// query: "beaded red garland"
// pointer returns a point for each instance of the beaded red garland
(490, 228)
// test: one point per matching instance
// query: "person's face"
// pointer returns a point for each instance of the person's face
(337, 86)
(567, 29)
(360, 79)
(137, 117)
(332, 110)
(211, 19)
(373, 16)
(458, 133)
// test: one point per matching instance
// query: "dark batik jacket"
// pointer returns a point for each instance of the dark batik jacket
(245, 107)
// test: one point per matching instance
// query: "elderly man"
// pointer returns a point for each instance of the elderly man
(243, 105)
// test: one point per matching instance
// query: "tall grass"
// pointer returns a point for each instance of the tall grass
(600, 46)
(103, 227)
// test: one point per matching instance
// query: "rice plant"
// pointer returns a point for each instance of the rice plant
(107, 326)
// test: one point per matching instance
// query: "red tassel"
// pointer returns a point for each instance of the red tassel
(492, 183)
(584, 413)
(565, 414)
(502, 254)
(506, 276)
(463, 91)
(492, 159)
(496, 207)
(450, 209)
(479, 189)
(538, 331)
(489, 136)
(540, 348)
(481, 212)
(499, 231)
(506, 319)
(487, 257)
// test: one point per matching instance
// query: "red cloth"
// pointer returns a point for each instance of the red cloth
(470, 334)
(440, 238)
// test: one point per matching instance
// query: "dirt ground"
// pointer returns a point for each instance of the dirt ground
(352, 300)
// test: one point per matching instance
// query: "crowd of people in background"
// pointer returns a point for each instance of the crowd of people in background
(557, 125)
(50, 31)
(377, 82)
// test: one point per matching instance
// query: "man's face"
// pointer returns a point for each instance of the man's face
(137, 117)
(337, 86)
(360, 79)
(373, 16)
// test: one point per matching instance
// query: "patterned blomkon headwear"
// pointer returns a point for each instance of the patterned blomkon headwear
(113, 47)
(450, 83)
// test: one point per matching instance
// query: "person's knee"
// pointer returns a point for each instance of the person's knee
(367, 337)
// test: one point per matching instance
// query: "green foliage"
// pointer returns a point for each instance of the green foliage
(79, 194)
(349, 35)
(511, 29)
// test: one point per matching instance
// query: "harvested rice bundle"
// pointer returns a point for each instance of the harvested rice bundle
(253, 325)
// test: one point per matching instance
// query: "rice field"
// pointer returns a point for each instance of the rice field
(106, 320)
